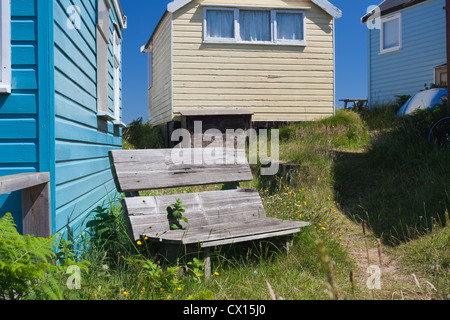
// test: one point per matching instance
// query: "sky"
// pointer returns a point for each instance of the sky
(144, 15)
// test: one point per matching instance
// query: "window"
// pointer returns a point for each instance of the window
(258, 26)
(220, 24)
(254, 25)
(390, 39)
(290, 26)
(5, 47)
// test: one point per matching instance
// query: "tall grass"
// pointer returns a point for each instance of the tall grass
(368, 166)
(401, 183)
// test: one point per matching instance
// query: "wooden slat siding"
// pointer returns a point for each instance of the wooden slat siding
(137, 170)
(148, 215)
(405, 72)
(159, 95)
(84, 179)
(19, 110)
(277, 83)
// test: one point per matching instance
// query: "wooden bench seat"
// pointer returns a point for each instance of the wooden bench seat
(214, 217)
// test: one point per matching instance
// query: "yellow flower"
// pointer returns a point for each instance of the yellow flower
(179, 289)
(323, 228)
(301, 216)
(139, 243)
(146, 238)
(216, 273)
(125, 293)
(161, 289)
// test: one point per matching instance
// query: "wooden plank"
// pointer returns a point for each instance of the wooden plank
(209, 236)
(36, 211)
(215, 112)
(232, 230)
(149, 214)
(136, 170)
(22, 181)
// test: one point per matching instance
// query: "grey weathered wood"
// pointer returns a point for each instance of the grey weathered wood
(22, 181)
(233, 230)
(36, 200)
(149, 214)
(36, 211)
(136, 170)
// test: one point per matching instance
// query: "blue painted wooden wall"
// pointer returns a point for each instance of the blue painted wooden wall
(49, 122)
(405, 72)
(82, 140)
(19, 141)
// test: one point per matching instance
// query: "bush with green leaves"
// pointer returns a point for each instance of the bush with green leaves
(142, 136)
(108, 232)
(23, 260)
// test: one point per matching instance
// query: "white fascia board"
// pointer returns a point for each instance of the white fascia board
(120, 16)
(329, 8)
(177, 4)
(324, 4)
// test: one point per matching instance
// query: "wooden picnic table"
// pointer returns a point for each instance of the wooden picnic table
(356, 103)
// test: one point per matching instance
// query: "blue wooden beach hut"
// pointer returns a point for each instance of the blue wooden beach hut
(60, 109)
(406, 48)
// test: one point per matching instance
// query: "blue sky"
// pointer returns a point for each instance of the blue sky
(143, 16)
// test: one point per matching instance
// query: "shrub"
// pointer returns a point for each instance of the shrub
(142, 136)
(23, 260)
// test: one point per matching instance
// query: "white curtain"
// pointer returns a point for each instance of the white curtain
(255, 25)
(220, 24)
(391, 34)
(289, 26)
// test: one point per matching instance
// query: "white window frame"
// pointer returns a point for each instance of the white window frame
(5, 54)
(215, 39)
(275, 29)
(237, 32)
(397, 16)
(103, 36)
(117, 62)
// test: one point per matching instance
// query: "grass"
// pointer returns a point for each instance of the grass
(368, 166)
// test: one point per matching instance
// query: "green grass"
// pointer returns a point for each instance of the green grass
(350, 167)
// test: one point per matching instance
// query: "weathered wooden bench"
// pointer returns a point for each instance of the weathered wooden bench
(214, 217)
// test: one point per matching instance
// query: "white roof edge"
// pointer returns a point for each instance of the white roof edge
(324, 4)
(329, 8)
(177, 4)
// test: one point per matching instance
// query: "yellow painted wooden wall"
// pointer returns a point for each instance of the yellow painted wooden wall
(160, 93)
